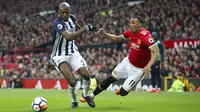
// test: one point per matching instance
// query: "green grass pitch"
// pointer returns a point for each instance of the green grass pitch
(19, 100)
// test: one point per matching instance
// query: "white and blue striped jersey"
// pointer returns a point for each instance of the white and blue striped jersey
(63, 47)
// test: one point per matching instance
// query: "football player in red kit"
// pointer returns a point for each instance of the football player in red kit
(139, 61)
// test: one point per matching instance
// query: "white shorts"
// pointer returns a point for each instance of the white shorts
(126, 70)
(75, 60)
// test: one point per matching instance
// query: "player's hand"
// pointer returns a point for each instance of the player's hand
(101, 31)
(147, 70)
(90, 27)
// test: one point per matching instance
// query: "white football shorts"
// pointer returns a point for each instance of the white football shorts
(75, 60)
(132, 74)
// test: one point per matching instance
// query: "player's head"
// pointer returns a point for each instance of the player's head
(135, 24)
(64, 10)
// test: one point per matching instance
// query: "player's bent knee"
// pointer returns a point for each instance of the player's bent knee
(123, 92)
(104, 85)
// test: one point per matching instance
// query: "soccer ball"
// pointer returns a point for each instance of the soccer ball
(39, 104)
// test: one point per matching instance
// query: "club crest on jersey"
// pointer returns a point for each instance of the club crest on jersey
(59, 26)
(151, 40)
(135, 46)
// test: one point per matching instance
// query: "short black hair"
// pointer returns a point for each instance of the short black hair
(140, 19)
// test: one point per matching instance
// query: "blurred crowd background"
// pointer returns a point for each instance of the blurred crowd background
(26, 23)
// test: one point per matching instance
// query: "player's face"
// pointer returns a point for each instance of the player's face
(134, 25)
(64, 13)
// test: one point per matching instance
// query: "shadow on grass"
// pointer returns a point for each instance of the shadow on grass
(96, 109)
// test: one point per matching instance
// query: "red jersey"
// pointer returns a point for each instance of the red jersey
(140, 42)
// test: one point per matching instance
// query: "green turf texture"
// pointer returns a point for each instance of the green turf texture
(19, 100)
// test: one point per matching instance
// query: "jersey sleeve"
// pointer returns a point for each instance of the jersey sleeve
(149, 40)
(73, 18)
(59, 26)
(126, 34)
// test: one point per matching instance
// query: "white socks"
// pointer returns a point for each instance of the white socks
(72, 91)
(86, 87)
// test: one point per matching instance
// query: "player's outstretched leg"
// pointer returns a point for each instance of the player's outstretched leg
(85, 90)
(65, 70)
(85, 97)
(130, 83)
(72, 92)
(86, 86)
(103, 86)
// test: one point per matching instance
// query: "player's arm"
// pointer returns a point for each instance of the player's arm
(60, 27)
(115, 38)
(155, 54)
(71, 36)
(151, 43)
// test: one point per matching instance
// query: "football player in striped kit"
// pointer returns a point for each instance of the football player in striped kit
(65, 55)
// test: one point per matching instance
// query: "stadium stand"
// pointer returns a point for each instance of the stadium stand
(30, 25)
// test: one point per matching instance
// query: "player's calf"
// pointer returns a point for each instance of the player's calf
(104, 85)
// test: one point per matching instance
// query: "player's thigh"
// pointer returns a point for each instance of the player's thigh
(62, 65)
(83, 71)
(65, 70)
(56, 60)
(77, 62)
(121, 70)
(134, 77)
